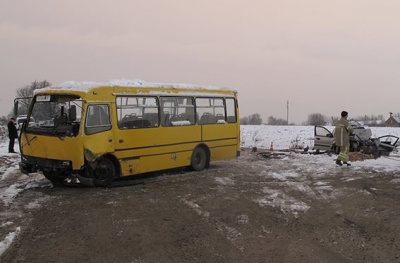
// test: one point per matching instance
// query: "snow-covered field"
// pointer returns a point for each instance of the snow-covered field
(286, 137)
(12, 182)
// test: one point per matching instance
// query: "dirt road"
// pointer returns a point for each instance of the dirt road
(292, 208)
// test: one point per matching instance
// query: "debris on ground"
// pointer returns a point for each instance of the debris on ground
(359, 156)
(276, 155)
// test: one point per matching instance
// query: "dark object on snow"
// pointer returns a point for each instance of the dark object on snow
(306, 149)
(272, 154)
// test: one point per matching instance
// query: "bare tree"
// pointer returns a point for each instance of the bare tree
(316, 119)
(25, 94)
(3, 120)
(244, 121)
(275, 121)
(254, 119)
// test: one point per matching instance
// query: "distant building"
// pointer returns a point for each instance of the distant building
(393, 121)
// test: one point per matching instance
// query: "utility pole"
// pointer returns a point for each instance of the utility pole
(287, 113)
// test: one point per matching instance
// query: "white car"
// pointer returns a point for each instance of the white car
(21, 119)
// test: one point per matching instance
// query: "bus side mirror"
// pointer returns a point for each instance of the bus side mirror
(72, 113)
(15, 107)
(22, 125)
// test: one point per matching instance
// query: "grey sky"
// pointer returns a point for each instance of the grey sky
(321, 56)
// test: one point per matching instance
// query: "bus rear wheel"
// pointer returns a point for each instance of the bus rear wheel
(104, 172)
(199, 159)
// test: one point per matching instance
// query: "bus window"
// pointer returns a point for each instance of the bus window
(230, 110)
(177, 111)
(97, 119)
(137, 112)
(210, 110)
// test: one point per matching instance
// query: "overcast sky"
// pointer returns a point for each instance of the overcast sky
(321, 56)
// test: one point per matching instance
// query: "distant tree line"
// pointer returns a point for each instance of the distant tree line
(313, 119)
(254, 119)
(276, 121)
(320, 119)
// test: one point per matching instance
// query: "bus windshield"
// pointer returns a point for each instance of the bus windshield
(57, 115)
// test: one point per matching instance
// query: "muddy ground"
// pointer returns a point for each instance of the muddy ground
(252, 209)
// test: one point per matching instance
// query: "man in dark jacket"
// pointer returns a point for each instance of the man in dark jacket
(343, 130)
(12, 134)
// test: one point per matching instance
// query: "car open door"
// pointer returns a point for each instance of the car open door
(323, 139)
(387, 144)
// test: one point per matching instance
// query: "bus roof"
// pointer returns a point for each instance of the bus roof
(84, 87)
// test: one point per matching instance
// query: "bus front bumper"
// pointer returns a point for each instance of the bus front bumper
(26, 168)
(30, 164)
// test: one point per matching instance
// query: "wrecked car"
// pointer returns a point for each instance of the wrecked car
(360, 141)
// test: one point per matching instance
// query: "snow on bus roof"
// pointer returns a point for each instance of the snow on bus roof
(87, 85)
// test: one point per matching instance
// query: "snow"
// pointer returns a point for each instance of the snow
(287, 204)
(13, 183)
(180, 123)
(9, 239)
(317, 167)
(286, 137)
(87, 85)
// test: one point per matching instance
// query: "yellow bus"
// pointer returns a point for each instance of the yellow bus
(99, 132)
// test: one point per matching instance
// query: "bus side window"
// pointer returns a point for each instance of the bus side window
(152, 118)
(97, 119)
(230, 110)
(137, 112)
(177, 111)
(126, 121)
(211, 110)
(220, 116)
(165, 119)
(207, 118)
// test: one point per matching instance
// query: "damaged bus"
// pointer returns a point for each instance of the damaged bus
(96, 133)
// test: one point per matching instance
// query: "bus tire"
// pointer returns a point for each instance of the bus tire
(104, 172)
(199, 159)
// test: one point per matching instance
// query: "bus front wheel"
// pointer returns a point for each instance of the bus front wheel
(104, 172)
(199, 159)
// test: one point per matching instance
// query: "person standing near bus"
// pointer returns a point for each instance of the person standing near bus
(12, 134)
(343, 130)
